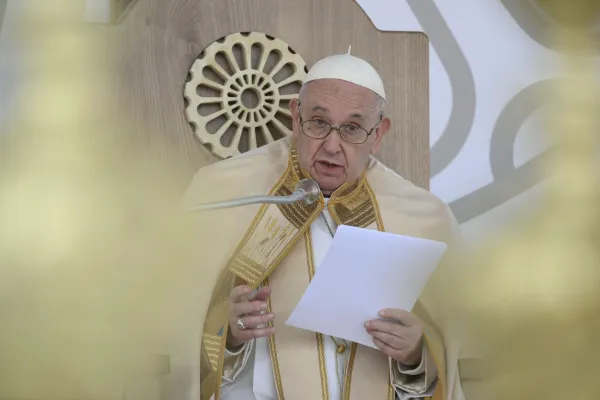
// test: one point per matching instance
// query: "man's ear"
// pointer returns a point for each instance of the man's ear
(382, 128)
(295, 117)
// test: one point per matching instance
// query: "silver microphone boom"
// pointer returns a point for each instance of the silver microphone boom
(306, 190)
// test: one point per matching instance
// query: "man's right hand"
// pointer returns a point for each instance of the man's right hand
(252, 314)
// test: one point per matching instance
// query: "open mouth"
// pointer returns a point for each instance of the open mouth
(328, 166)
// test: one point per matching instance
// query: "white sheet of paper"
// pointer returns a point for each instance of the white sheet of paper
(363, 272)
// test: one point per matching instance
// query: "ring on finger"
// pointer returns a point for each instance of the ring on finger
(240, 324)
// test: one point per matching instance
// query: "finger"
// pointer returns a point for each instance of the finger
(262, 294)
(393, 328)
(390, 340)
(238, 293)
(254, 321)
(248, 307)
(248, 334)
(406, 318)
(387, 350)
(261, 312)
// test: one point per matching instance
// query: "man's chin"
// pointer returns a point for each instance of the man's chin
(328, 186)
(327, 183)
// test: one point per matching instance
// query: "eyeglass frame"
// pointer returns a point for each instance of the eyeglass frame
(331, 127)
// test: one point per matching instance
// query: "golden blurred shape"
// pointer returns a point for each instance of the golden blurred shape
(531, 302)
(96, 262)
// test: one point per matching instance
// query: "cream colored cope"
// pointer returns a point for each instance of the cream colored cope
(291, 362)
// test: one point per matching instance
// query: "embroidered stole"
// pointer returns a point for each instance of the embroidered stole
(276, 250)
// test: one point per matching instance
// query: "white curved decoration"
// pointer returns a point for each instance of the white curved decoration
(233, 81)
(488, 77)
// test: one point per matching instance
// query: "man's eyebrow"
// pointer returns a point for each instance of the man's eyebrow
(325, 110)
(320, 108)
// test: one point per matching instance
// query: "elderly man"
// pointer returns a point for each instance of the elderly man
(266, 255)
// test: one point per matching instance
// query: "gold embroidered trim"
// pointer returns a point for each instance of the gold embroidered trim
(214, 323)
(246, 269)
(441, 368)
(376, 208)
(355, 205)
(207, 385)
(277, 243)
(320, 344)
(322, 369)
(212, 345)
(219, 372)
(295, 163)
(237, 269)
(295, 212)
(348, 374)
(391, 392)
(362, 217)
(273, 352)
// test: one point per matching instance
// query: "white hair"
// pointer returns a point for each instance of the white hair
(380, 105)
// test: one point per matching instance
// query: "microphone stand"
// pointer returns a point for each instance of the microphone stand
(306, 190)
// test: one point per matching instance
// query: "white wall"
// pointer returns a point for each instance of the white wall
(98, 10)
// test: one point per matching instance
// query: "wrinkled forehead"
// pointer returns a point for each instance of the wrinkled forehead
(339, 97)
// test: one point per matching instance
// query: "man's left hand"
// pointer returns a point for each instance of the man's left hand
(399, 336)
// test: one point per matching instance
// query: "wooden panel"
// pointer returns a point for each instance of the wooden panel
(160, 40)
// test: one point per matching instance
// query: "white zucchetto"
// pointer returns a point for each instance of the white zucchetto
(348, 68)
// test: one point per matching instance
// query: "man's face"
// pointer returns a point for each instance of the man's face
(332, 161)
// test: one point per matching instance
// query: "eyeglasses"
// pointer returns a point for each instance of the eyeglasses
(352, 133)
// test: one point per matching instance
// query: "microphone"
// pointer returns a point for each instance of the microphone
(306, 190)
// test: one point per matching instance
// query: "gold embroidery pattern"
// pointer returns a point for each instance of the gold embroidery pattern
(219, 372)
(355, 205)
(295, 213)
(391, 392)
(298, 174)
(273, 352)
(320, 344)
(361, 217)
(376, 210)
(348, 377)
(352, 203)
(215, 327)
(212, 345)
(348, 189)
(262, 249)
(214, 322)
(246, 269)
(321, 350)
(207, 385)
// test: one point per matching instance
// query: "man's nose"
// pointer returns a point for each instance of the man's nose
(333, 142)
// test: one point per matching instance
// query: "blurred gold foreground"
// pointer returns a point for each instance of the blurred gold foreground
(531, 296)
(96, 272)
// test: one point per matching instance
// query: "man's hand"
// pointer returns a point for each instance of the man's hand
(399, 337)
(252, 314)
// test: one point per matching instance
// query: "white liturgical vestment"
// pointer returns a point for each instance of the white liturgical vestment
(251, 376)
